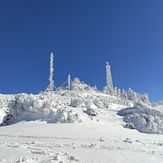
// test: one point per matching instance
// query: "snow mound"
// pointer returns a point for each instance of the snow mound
(78, 85)
(24, 160)
(57, 158)
(61, 157)
(46, 107)
(143, 118)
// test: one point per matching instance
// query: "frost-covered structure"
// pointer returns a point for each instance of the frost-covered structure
(109, 82)
(117, 92)
(51, 81)
(69, 82)
(129, 94)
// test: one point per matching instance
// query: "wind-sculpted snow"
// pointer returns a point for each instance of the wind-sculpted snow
(59, 106)
(4, 102)
(48, 107)
(144, 119)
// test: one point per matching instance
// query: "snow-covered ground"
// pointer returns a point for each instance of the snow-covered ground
(81, 125)
(91, 141)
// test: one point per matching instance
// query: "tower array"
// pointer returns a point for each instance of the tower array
(50, 88)
(109, 89)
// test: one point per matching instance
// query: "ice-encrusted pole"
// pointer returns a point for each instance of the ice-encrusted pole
(51, 81)
(69, 82)
(109, 82)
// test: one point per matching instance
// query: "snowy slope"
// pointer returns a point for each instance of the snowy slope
(82, 125)
(91, 141)
(59, 106)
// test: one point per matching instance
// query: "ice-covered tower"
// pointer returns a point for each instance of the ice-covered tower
(109, 82)
(51, 81)
(69, 81)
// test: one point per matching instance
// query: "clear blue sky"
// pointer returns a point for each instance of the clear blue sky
(84, 35)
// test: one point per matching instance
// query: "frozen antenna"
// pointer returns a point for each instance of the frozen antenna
(51, 81)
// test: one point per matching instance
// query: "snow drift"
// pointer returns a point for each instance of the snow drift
(143, 118)
(46, 107)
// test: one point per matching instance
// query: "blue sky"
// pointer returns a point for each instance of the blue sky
(83, 34)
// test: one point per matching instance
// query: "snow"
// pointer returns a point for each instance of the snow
(48, 107)
(158, 107)
(41, 142)
(78, 125)
(144, 119)
(59, 106)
